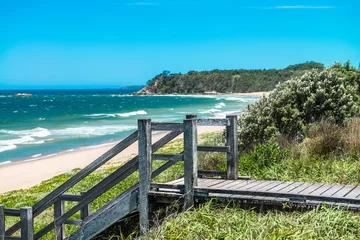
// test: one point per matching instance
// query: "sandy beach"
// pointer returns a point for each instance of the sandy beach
(22, 175)
(252, 94)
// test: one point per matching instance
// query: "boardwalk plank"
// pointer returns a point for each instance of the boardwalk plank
(290, 187)
(263, 185)
(321, 190)
(354, 193)
(280, 186)
(300, 188)
(345, 190)
(331, 191)
(310, 189)
(270, 186)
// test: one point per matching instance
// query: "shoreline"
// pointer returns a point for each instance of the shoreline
(249, 94)
(22, 174)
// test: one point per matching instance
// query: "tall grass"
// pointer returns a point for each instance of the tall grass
(230, 222)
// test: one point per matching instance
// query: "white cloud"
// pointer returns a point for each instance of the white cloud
(302, 7)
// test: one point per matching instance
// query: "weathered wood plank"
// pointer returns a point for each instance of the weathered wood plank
(12, 212)
(220, 184)
(27, 223)
(345, 190)
(85, 211)
(300, 188)
(59, 229)
(354, 193)
(201, 191)
(280, 186)
(168, 157)
(74, 222)
(334, 189)
(2, 222)
(70, 197)
(213, 148)
(265, 187)
(311, 189)
(145, 170)
(212, 122)
(160, 126)
(212, 182)
(262, 185)
(190, 161)
(47, 201)
(238, 184)
(250, 185)
(321, 189)
(123, 206)
(12, 238)
(288, 188)
(232, 155)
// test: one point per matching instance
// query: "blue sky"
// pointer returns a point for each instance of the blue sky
(109, 43)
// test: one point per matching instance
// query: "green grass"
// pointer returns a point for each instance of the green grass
(226, 222)
(212, 221)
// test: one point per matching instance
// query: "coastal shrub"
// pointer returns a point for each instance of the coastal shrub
(332, 94)
(325, 138)
(262, 157)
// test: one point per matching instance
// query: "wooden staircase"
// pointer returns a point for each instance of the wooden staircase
(136, 198)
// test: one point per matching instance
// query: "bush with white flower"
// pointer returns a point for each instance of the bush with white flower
(332, 94)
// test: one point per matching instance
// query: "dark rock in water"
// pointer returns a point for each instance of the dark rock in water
(22, 95)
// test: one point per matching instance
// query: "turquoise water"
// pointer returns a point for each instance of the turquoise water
(53, 121)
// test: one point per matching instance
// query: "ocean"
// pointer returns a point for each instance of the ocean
(53, 121)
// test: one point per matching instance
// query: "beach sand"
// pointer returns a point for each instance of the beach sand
(22, 175)
(255, 94)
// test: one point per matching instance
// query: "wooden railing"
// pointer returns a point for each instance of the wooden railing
(142, 162)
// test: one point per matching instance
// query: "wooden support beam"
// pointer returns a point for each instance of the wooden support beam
(145, 170)
(190, 160)
(213, 149)
(59, 227)
(212, 122)
(27, 223)
(13, 212)
(2, 222)
(233, 154)
(161, 126)
(85, 211)
(168, 157)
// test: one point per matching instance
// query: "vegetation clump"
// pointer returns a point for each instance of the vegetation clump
(332, 94)
(225, 81)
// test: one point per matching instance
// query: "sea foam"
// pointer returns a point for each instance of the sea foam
(92, 130)
(128, 114)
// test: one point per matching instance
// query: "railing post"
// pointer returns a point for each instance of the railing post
(190, 161)
(145, 170)
(85, 211)
(191, 116)
(233, 155)
(58, 212)
(2, 222)
(27, 223)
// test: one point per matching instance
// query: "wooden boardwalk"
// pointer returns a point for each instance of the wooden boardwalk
(266, 192)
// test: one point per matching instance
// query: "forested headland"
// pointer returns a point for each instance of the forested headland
(225, 81)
